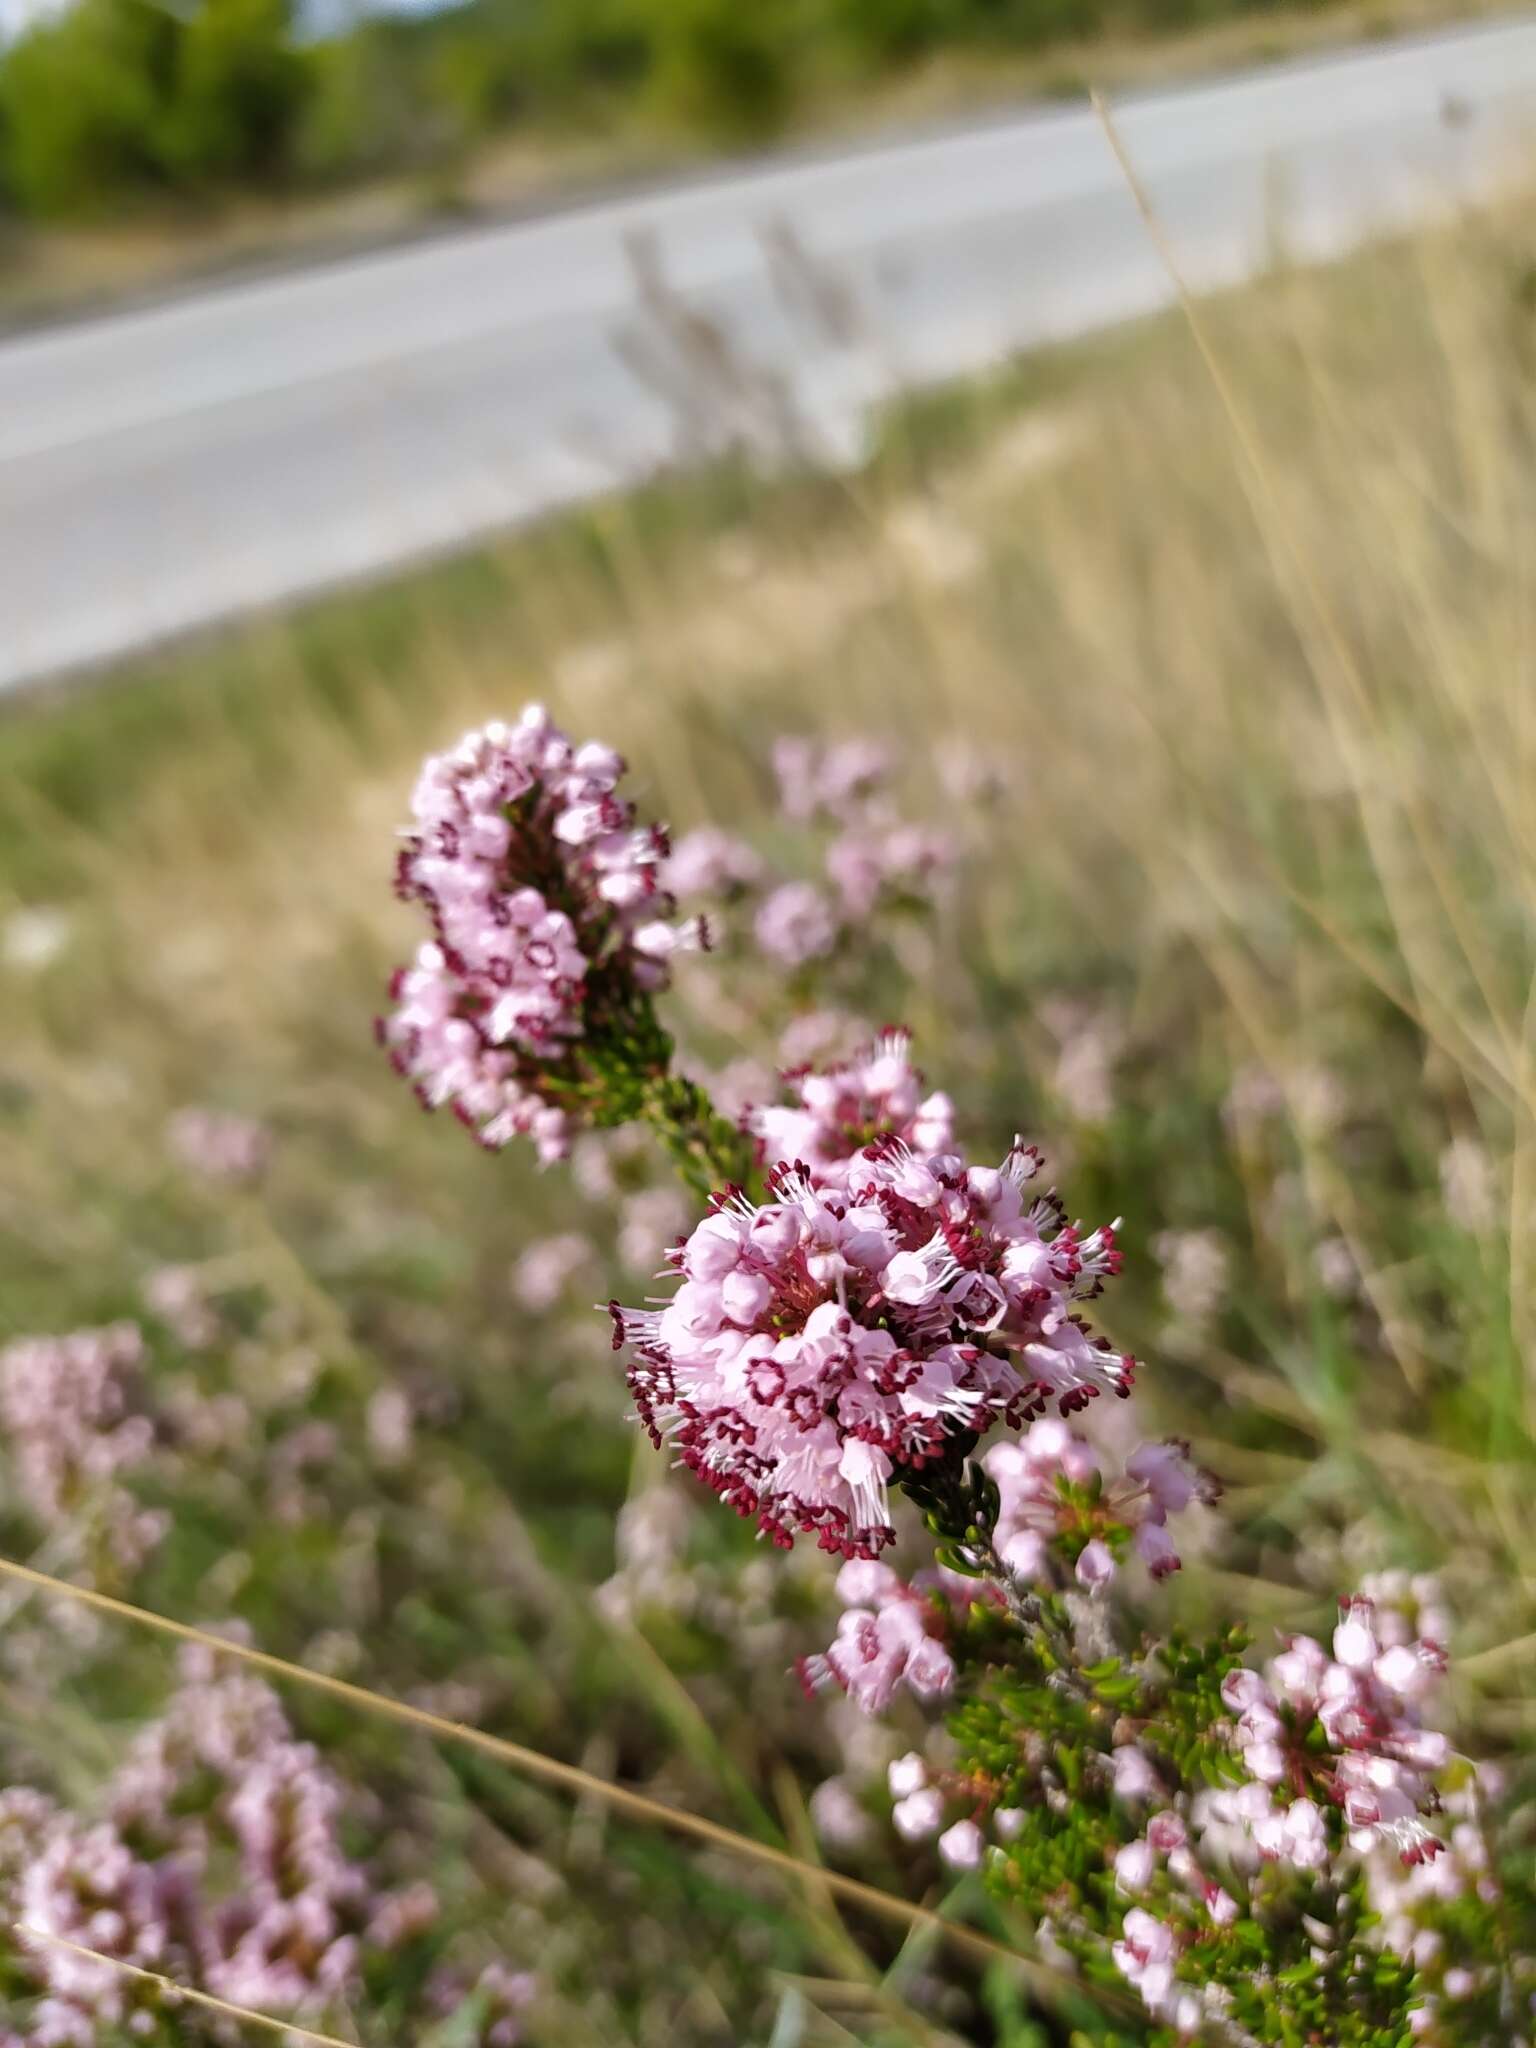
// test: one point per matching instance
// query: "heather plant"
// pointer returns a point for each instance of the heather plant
(1220, 1839)
(1235, 929)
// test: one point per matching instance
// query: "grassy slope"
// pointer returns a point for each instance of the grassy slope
(1269, 765)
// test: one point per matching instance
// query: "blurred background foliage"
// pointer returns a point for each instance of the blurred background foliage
(114, 103)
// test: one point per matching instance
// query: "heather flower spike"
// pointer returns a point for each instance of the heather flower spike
(528, 1008)
(858, 1326)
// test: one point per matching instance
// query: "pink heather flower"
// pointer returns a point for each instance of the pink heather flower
(1294, 1834)
(1170, 1479)
(920, 1815)
(291, 1938)
(1406, 1895)
(829, 1339)
(221, 1861)
(907, 1774)
(836, 780)
(734, 1087)
(874, 1097)
(1148, 1950)
(1144, 1956)
(86, 1886)
(650, 1220)
(1035, 1472)
(1196, 1266)
(882, 862)
(1095, 1565)
(658, 941)
(548, 921)
(176, 1295)
(500, 1997)
(546, 1268)
(838, 1818)
(888, 1635)
(70, 1407)
(1168, 1844)
(1379, 1762)
(1155, 1548)
(709, 862)
(1409, 1613)
(961, 1846)
(1134, 1775)
(220, 1145)
(221, 1771)
(796, 924)
(1166, 1832)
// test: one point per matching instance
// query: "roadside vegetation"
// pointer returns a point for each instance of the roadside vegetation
(1225, 690)
(141, 142)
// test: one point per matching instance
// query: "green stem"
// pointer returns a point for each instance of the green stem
(706, 1148)
(960, 1505)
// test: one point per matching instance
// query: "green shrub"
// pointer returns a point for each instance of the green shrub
(367, 108)
(881, 33)
(1033, 24)
(239, 92)
(719, 69)
(116, 98)
(82, 98)
(478, 77)
(585, 44)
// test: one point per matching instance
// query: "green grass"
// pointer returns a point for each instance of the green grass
(1269, 755)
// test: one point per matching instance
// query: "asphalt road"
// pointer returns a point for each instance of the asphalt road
(162, 468)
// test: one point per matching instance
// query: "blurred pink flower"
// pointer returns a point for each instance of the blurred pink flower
(796, 924)
(219, 1144)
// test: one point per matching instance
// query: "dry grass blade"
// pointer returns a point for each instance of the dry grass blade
(533, 1763)
(1353, 718)
(185, 1994)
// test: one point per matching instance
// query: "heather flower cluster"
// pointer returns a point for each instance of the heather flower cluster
(1339, 1782)
(1345, 1730)
(75, 1430)
(488, 2010)
(1428, 1909)
(218, 1858)
(829, 1340)
(1057, 1521)
(836, 1115)
(220, 1145)
(1060, 1509)
(891, 1633)
(1261, 1854)
(873, 859)
(549, 923)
